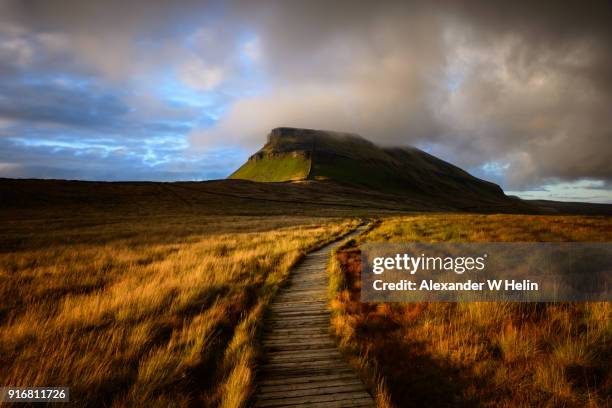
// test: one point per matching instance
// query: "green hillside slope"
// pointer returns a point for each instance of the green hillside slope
(284, 167)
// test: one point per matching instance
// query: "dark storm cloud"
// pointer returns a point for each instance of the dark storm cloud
(524, 85)
(518, 92)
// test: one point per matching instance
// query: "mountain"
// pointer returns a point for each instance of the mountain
(300, 172)
(305, 154)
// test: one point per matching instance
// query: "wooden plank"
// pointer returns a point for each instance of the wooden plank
(321, 322)
(343, 375)
(317, 331)
(299, 306)
(306, 357)
(298, 372)
(348, 399)
(298, 352)
(302, 359)
(293, 324)
(337, 404)
(313, 298)
(324, 329)
(271, 347)
(287, 393)
(303, 296)
(299, 336)
(311, 384)
(289, 347)
(300, 313)
(302, 343)
(295, 291)
(302, 302)
(304, 309)
(331, 350)
(320, 315)
(306, 333)
(302, 365)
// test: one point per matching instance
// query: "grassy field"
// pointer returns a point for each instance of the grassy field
(151, 294)
(158, 310)
(476, 354)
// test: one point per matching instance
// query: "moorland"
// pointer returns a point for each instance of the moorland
(148, 293)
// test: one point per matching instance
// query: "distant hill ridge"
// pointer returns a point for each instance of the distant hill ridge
(293, 154)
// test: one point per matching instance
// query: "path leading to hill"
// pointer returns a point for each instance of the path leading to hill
(302, 365)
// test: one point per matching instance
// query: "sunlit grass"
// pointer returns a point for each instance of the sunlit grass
(147, 314)
(465, 354)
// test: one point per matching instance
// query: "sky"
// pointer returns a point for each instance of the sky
(516, 93)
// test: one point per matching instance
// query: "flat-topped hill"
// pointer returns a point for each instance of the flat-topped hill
(305, 154)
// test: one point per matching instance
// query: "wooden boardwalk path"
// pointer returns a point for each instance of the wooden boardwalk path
(302, 365)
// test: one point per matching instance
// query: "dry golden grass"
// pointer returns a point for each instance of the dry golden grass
(487, 354)
(132, 311)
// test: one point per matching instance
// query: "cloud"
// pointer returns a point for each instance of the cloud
(200, 76)
(519, 92)
(520, 85)
(61, 102)
(542, 115)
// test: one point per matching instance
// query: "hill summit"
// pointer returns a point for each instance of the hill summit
(293, 154)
